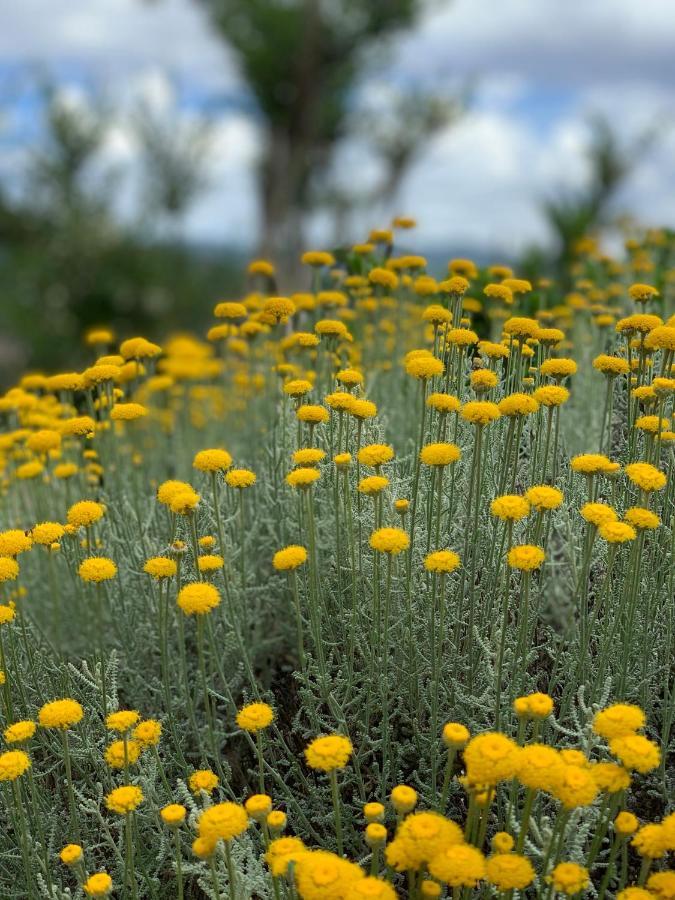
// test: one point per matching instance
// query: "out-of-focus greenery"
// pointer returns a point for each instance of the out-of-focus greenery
(66, 261)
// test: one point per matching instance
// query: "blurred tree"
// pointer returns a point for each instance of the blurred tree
(67, 262)
(60, 168)
(174, 153)
(401, 135)
(611, 160)
(396, 129)
(300, 59)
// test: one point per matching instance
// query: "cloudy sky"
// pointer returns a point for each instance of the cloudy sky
(538, 69)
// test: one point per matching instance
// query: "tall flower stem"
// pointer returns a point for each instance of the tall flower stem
(179, 865)
(69, 782)
(336, 810)
(129, 867)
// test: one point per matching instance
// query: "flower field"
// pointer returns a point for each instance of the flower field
(367, 593)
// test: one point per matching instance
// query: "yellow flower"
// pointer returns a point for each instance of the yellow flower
(651, 841)
(115, 754)
(551, 395)
(148, 733)
(457, 285)
(276, 821)
(363, 409)
(98, 885)
(373, 484)
(222, 822)
(375, 455)
(198, 598)
(255, 717)
(483, 380)
(641, 293)
(168, 490)
(459, 865)
(173, 814)
(320, 875)
(441, 561)
(308, 456)
(419, 838)
(139, 348)
(598, 514)
(661, 338)
(370, 888)
(13, 764)
(203, 780)
(636, 752)
(480, 412)
(499, 292)
(318, 258)
(502, 842)
(124, 799)
(617, 532)
(543, 497)
(60, 714)
(215, 460)
(618, 720)
(282, 852)
(509, 871)
(85, 513)
(29, 470)
(455, 735)
(461, 337)
(47, 533)
(9, 569)
(534, 706)
(424, 367)
(289, 558)
(71, 854)
(97, 569)
(611, 365)
(185, 501)
(160, 567)
(634, 893)
(626, 823)
(122, 721)
(240, 478)
(19, 732)
(13, 542)
(646, 476)
(510, 507)
(389, 540)
(210, 562)
(304, 477)
(520, 327)
(539, 767)
(328, 753)
(258, 806)
(373, 812)
(203, 848)
(569, 878)
(127, 412)
(439, 454)
(575, 787)
(297, 387)
(518, 405)
(662, 884)
(490, 758)
(526, 557)
(331, 328)
(403, 798)
(443, 403)
(312, 414)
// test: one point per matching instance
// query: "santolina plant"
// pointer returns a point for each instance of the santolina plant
(368, 595)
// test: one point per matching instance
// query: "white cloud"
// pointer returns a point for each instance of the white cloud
(542, 66)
